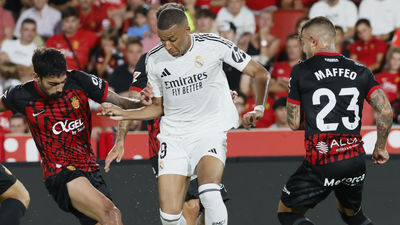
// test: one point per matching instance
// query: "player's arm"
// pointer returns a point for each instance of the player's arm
(384, 120)
(261, 77)
(294, 116)
(145, 113)
(123, 102)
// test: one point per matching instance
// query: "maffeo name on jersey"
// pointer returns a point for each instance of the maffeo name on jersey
(68, 126)
(335, 72)
(347, 181)
(185, 85)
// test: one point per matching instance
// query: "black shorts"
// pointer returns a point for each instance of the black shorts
(310, 184)
(192, 192)
(6, 179)
(57, 187)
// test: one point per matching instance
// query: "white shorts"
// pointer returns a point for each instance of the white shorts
(180, 155)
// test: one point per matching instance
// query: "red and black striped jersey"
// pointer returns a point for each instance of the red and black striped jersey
(61, 126)
(331, 89)
(138, 84)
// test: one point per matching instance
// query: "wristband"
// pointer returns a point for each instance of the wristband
(259, 108)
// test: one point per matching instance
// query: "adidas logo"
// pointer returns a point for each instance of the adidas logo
(213, 151)
(165, 73)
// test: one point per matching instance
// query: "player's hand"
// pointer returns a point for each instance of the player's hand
(250, 119)
(146, 95)
(234, 95)
(380, 156)
(112, 111)
(116, 154)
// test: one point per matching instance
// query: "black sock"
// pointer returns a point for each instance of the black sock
(293, 218)
(11, 211)
(358, 219)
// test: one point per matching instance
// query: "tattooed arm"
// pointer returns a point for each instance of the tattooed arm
(123, 102)
(294, 116)
(384, 120)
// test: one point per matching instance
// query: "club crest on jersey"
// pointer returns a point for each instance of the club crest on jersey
(136, 74)
(198, 62)
(75, 102)
(238, 55)
(75, 44)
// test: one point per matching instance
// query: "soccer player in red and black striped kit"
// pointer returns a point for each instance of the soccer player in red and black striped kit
(331, 89)
(56, 106)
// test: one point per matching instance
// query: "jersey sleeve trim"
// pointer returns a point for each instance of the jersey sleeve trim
(293, 101)
(372, 90)
(105, 92)
(135, 89)
(4, 104)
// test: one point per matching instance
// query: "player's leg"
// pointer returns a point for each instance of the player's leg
(304, 189)
(172, 190)
(208, 156)
(14, 198)
(91, 202)
(191, 209)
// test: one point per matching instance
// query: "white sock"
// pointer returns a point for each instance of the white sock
(214, 207)
(168, 219)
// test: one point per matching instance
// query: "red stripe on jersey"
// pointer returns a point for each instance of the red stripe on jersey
(4, 104)
(372, 90)
(328, 53)
(38, 90)
(293, 101)
(105, 92)
(135, 89)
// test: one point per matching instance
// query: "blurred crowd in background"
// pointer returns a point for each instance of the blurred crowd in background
(107, 37)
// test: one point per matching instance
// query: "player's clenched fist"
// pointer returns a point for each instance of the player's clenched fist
(250, 119)
(380, 156)
(146, 95)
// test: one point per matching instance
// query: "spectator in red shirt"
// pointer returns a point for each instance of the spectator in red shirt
(108, 57)
(367, 49)
(281, 70)
(389, 79)
(93, 17)
(7, 23)
(73, 42)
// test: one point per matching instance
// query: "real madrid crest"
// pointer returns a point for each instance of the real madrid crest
(75, 102)
(198, 62)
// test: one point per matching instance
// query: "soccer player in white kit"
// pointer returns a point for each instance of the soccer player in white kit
(191, 93)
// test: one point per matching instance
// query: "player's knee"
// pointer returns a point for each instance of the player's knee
(171, 219)
(286, 218)
(110, 213)
(210, 195)
(21, 193)
(192, 207)
(356, 219)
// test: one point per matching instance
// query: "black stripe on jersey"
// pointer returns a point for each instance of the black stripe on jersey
(213, 38)
(154, 50)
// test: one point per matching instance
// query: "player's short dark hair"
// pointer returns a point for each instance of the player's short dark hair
(292, 36)
(170, 17)
(68, 12)
(363, 21)
(134, 40)
(48, 62)
(17, 116)
(28, 20)
(321, 21)
(280, 102)
(170, 5)
(200, 13)
(141, 10)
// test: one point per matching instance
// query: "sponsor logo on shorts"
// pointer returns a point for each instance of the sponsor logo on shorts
(212, 151)
(72, 168)
(286, 190)
(219, 223)
(347, 181)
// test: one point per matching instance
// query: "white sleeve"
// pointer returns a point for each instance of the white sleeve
(230, 53)
(154, 80)
(363, 10)
(315, 11)
(351, 15)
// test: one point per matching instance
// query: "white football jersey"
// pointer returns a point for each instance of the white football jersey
(194, 87)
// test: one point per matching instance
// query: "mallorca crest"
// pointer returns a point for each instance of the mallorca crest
(75, 102)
